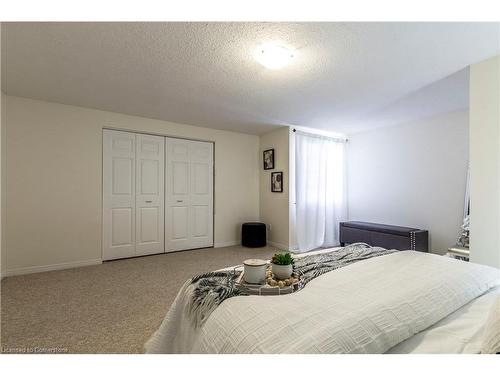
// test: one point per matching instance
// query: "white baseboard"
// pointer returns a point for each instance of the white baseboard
(226, 244)
(50, 267)
(278, 245)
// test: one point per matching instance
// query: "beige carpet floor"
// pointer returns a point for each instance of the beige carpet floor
(108, 308)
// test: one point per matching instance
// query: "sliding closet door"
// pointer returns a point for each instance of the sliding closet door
(118, 194)
(150, 193)
(189, 199)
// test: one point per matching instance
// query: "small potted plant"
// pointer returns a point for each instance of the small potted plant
(282, 265)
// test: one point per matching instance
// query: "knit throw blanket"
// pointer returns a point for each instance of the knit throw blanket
(210, 289)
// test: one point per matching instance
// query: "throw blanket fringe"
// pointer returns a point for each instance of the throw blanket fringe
(209, 291)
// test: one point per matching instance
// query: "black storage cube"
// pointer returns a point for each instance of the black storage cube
(253, 235)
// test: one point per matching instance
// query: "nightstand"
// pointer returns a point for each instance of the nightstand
(458, 252)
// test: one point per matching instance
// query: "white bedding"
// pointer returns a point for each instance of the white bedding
(367, 307)
(461, 332)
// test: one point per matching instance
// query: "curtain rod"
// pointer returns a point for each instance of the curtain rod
(336, 139)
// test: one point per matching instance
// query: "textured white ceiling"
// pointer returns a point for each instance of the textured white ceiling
(446, 95)
(344, 78)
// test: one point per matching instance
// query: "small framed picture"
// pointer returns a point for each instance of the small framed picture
(277, 182)
(269, 159)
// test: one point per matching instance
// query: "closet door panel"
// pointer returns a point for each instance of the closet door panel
(201, 179)
(201, 194)
(150, 177)
(122, 179)
(189, 181)
(118, 194)
(179, 223)
(200, 222)
(149, 220)
(180, 179)
(177, 197)
(121, 227)
(150, 193)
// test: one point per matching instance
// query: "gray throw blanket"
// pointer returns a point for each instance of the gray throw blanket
(209, 290)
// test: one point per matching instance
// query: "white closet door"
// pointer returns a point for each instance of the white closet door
(201, 194)
(118, 194)
(177, 218)
(189, 198)
(150, 193)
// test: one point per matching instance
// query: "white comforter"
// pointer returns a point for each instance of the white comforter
(367, 307)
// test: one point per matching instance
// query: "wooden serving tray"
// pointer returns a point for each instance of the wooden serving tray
(264, 289)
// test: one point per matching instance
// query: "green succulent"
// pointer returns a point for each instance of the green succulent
(283, 259)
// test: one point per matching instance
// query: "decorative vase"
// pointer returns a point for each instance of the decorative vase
(282, 272)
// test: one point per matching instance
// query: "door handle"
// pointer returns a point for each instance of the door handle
(179, 201)
(149, 201)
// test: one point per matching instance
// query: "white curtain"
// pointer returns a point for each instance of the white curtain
(320, 190)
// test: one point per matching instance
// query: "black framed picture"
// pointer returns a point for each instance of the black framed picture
(277, 182)
(269, 159)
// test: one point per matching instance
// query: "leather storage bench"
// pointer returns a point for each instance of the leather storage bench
(386, 236)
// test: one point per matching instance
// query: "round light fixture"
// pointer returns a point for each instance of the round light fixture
(274, 56)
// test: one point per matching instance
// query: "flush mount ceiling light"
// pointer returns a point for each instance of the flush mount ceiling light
(274, 56)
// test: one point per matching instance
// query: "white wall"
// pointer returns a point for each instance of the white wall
(485, 162)
(274, 206)
(412, 175)
(3, 165)
(54, 181)
(1, 159)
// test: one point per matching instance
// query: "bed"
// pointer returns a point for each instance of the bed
(404, 302)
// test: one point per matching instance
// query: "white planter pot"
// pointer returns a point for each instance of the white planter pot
(255, 271)
(282, 272)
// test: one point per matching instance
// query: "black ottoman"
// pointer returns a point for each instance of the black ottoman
(253, 234)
